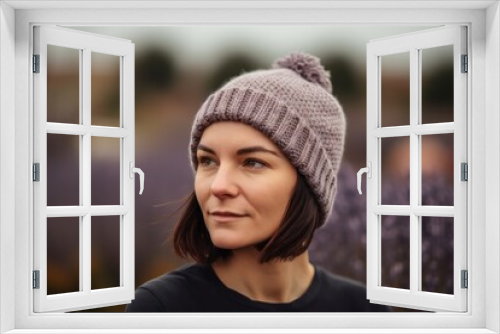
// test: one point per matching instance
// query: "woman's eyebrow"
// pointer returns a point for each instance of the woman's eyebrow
(242, 151)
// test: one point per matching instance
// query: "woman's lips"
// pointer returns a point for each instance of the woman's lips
(227, 214)
(225, 217)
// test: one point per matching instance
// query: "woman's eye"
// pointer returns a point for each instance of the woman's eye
(204, 161)
(255, 163)
(252, 163)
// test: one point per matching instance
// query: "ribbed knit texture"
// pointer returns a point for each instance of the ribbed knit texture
(301, 117)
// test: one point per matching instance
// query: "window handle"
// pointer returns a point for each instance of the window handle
(133, 170)
(368, 171)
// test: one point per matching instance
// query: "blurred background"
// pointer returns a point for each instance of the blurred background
(176, 68)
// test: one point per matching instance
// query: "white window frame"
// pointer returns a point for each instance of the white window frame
(85, 44)
(412, 44)
(16, 21)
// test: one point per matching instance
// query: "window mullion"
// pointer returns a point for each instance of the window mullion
(80, 169)
(415, 267)
(85, 167)
(122, 176)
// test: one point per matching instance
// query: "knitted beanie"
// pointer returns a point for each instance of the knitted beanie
(292, 104)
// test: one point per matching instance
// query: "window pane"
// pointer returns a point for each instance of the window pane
(105, 251)
(437, 254)
(105, 90)
(63, 255)
(437, 84)
(395, 170)
(395, 232)
(395, 89)
(105, 171)
(63, 176)
(437, 169)
(63, 85)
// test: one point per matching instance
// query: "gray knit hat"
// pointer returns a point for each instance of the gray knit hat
(292, 104)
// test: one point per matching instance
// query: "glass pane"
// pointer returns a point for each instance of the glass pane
(437, 169)
(437, 254)
(105, 90)
(105, 251)
(437, 84)
(63, 255)
(395, 89)
(63, 175)
(63, 85)
(395, 170)
(105, 171)
(395, 232)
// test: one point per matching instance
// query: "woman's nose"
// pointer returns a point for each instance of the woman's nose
(223, 183)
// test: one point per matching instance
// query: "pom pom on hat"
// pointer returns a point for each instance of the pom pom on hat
(307, 66)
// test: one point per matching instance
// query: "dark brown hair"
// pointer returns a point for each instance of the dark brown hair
(192, 239)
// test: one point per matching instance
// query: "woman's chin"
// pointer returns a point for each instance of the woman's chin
(224, 241)
(227, 244)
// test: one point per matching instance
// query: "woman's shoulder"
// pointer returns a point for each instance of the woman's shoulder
(338, 282)
(170, 292)
(349, 293)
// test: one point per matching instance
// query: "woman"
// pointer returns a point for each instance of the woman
(266, 149)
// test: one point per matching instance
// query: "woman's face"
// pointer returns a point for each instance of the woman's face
(243, 172)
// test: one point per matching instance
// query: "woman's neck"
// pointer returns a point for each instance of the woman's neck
(274, 282)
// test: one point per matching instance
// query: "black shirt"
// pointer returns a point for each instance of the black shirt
(196, 288)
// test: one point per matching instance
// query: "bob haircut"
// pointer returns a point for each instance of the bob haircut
(192, 240)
